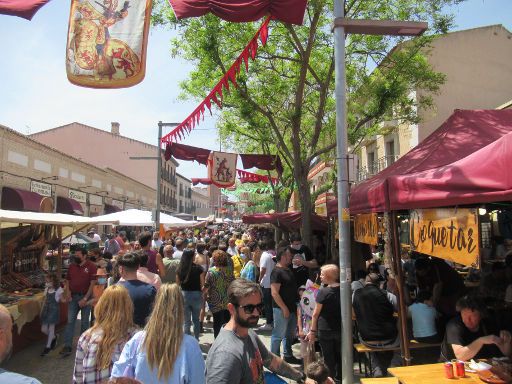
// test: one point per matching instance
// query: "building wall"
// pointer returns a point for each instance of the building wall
(111, 149)
(201, 202)
(476, 63)
(23, 161)
(184, 194)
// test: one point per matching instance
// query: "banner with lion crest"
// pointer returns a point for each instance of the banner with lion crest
(107, 42)
(222, 168)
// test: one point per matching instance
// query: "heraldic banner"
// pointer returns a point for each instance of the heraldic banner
(222, 168)
(107, 42)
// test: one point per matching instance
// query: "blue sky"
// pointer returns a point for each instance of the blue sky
(35, 94)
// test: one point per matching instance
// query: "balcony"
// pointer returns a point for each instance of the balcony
(375, 167)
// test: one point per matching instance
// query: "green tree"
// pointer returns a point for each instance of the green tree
(285, 103)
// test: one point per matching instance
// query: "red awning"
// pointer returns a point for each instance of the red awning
(20, 200)
(109, 208)
(22, 8)
(453, 166)
(69, 206)
(291, 221)
(287, 11)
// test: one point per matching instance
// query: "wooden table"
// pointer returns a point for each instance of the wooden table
(430, 374)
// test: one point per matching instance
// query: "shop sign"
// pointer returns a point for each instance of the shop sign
(81, 197)
(450, 234)
(95, 200)
(118, 204)
(42, 188)
(366, 228)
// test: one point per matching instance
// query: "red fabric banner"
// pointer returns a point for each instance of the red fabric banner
(187, 152)
(205, 181)
(265, 162)
(215, 95)
(287, 11)
(21, 8)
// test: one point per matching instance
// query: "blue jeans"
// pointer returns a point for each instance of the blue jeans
(284, 329)
(193, 304)
(73, 309)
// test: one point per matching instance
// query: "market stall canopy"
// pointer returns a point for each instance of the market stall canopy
(140, 218)
(68, 205)
(290, 221)
(78, 239)
(457, 164)
(12, 218)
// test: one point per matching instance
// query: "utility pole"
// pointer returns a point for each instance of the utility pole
(158, 158)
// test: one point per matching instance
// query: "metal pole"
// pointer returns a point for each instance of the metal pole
(347, 364)
(158, 177)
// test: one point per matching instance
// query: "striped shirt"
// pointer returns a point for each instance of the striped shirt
(85, 371)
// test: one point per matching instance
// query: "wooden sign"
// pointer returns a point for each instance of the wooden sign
(450, 234)
(366, 228)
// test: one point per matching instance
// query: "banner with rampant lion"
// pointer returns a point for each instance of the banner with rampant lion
(222, 168)
(107, 42)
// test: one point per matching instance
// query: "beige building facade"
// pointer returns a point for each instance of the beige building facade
(122, 154)
(476, 63)
(31, 171)
(201, 202)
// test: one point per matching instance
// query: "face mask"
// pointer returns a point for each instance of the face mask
(102, 280)
(93, 259)
(297, 246)
(243, 256)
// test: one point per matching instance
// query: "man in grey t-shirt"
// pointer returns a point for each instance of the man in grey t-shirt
(237, 355)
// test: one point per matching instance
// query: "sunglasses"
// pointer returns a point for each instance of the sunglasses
(249, 308)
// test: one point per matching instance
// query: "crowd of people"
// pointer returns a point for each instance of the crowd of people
(143, 306)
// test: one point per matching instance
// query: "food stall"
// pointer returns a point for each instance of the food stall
(24, 240)
(440, 185)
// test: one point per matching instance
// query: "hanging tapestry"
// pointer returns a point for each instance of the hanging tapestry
(107, 42)
(222, 168)
(265, 162)
(187, 152)
(21, 8)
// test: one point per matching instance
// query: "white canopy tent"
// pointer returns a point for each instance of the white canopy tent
(139, 218)
(12, 218)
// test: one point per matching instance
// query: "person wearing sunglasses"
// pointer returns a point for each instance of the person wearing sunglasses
(237, 355)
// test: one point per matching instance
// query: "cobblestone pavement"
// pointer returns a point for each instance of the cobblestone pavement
(54, 369)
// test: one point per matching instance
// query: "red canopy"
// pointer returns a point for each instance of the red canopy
(462, 162)
(290, 221)
(287, 11)
(22, 8)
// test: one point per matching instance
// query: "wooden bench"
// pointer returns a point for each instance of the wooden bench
(381, 380)
(364, 349)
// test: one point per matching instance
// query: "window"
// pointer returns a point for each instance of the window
(390, 152)
(370, 159)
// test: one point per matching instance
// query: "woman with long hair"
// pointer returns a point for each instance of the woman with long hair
(216, 286)
(190, 276)
(162, 352)
(102, 344)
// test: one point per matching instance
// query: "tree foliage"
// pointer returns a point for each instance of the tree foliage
(285, 103)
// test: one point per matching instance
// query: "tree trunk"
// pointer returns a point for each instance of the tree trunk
(306, 206)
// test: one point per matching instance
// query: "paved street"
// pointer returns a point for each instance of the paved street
(53, 369)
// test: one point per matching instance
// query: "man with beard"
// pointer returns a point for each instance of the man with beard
(237, 355)
(6, 349)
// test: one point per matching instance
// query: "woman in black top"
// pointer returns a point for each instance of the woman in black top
(190, 277)
(326, 320)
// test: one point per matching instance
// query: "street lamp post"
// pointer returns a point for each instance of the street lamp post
(344, 26)
(158, 158)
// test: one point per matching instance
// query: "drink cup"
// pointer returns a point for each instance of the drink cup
(448, 370)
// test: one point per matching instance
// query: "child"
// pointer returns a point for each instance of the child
(424, 317)
(318, 373)
(50, 313)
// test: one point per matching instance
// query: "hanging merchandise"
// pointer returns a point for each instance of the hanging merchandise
(21, 8)
(216, 94)
(107, 42)
(221, 168)
(287, 11)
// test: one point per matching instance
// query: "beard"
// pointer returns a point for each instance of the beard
(250, 322)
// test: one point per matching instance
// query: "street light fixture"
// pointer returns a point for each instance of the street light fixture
(344, 26)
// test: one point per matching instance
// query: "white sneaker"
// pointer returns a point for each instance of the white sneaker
(265, 327)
